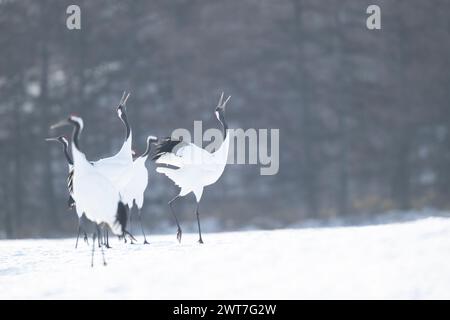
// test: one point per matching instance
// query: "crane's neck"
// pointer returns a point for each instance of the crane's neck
(147, 150)
(76, 134)
(66, 153)
(221, 154)
(221, 118)
(79, 158)
(124, 119)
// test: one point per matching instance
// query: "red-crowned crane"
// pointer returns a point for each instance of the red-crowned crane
(193, 168)
(132, 190)
(128, 176)
(94, 194)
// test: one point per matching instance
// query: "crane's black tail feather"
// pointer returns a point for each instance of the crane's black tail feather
(166, 145)
(70, 202)
(122, 216)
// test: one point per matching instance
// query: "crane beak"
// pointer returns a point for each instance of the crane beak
(222, 104)
(123, 100)
(51, 139)
(60, 124)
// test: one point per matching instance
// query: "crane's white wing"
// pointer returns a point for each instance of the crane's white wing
(114, 167)
(189, 154)
(134, 185)
(195, 168)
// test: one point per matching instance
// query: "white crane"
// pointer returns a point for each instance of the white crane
(132, 191)
(94, 194)
(193, 168)
(128, 176)
(118, 167)
(71, 202)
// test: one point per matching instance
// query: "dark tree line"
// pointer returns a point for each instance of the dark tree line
(363, 115)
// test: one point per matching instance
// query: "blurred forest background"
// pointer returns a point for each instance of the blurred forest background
(364, 116)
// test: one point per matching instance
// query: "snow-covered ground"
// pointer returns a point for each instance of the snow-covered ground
(409, 260)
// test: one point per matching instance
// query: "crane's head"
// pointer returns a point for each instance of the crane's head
(72, 120)
(152, 139)
(220, 109)
(60, 139)
(122, 107)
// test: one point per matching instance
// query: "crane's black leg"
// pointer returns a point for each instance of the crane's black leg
(78, 235)
(93, 248)
(179, 232)
(198, 222)
(131, 220)
(126, 233)
(107, 239)
(142, 228)
(99, 237)
(101, 248)
(131, 226)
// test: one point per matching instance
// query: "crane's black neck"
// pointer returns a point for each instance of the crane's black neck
(124, 119)
(66, 152)
(147, 150)
(223, 122)
(76, 134)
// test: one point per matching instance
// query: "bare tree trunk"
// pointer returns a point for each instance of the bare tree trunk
(309, 168)
(342, 109)
(343, 193)
(401, 185)
(7, 217)
(44, 107)
(15, 220)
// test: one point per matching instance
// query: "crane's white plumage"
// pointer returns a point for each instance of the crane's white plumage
(94, 194)
(133, 189)
(118, 167)
(196, 168)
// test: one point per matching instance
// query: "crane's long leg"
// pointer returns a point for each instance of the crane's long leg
(101, 248)
(85, 237)
(142, 228)
(80, 229)
(198, 222)
(98, 238)
(131, 220)
(107, 239)
(179, 232)
(126, 233)
(93, 248)
(130, 232)
(78, 235)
